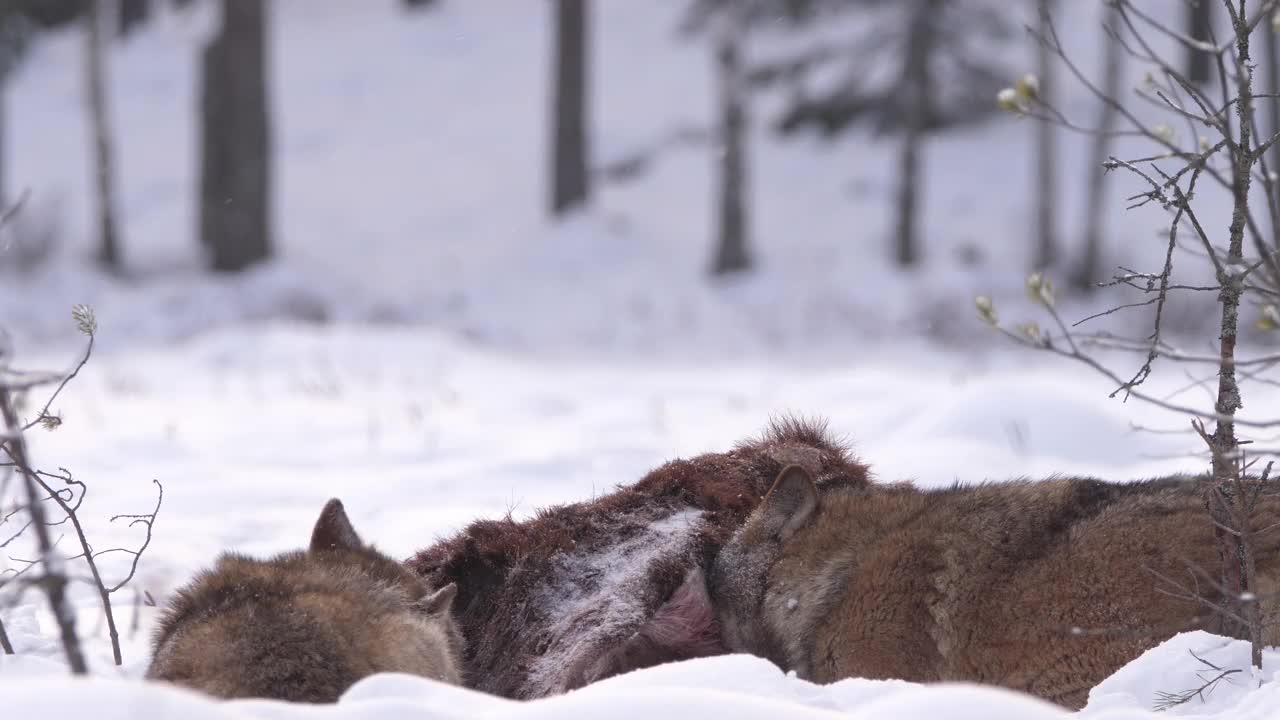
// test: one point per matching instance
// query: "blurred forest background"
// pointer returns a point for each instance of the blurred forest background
(580, 176)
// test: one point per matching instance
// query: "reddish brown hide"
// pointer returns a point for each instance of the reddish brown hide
(584, 591)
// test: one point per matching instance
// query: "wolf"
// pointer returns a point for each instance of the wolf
(306, 625)
(584, 591)
(1045, 587)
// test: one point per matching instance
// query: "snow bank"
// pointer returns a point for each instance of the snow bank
(734, 686)
(1186, 663)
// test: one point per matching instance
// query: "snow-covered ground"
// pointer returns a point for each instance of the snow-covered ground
(252, 430)
(731, 686)
(431, 349)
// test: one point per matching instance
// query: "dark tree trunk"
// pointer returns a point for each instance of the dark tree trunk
(4, 131)
(11, 42)
(1089, 272)
(50, 14)
(1199, 27)
(917, 85)
(213, 149)
(235, 211)
(732, 254)
(103, 156)
(1046, 170)
(570, 182)
(1273, 109)
(906, 247)
(133, 13)
(5, 645)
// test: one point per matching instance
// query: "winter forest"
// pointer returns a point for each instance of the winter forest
(606, 358)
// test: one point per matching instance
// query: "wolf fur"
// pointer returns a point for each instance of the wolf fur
(1045, 587)
(304, 626)
(582, 592)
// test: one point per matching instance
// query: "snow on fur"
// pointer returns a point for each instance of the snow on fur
(591, 596)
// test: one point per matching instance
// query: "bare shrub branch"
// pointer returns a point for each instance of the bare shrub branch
(53, 499)
(1244, 264)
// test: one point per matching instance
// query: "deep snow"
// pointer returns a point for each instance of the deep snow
(432, 350)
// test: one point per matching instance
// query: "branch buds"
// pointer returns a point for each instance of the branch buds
(1040, 289)
(1031, 331)
(1028, 87)
(1269, 319)
(1007, 99)
(1018, 99)
(986, 310)
(86, 322)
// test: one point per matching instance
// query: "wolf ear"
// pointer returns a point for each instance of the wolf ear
(439, 602)
(790, 502)
(333, 530)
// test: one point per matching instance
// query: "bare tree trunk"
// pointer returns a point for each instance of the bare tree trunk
(570, 181)
(133, 13)
(213, 142)
(1273, 107)
(909, 170)
(235, 217)
(1220, 490)
(732, 253)
(104, 162)
(12, 40)
(4, 132)
(1046, 170)
(1199, 27)
(1089, 271)
(13, 37)
(5, 645)
(917, 84)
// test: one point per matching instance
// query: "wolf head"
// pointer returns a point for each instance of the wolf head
(739, 576)
(306, 625)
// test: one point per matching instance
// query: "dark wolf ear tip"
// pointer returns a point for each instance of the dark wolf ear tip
(333, 529)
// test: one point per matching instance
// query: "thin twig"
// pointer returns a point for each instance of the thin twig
(54, 581)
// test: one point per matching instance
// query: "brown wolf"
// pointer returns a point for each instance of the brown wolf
(304, 626)
(584, 591)
(1045, 587)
